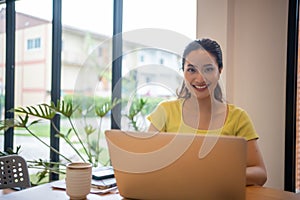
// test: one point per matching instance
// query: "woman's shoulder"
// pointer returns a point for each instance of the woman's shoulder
(235, 110)
(171, 102)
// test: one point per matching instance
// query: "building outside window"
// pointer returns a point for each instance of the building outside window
(86, 38)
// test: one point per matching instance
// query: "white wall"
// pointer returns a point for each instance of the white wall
(253, 35)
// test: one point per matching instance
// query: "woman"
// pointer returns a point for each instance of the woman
(200, 107)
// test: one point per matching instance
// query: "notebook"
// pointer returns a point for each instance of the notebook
(178, 165)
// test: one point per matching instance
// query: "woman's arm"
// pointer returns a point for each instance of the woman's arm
(152, 128)
(256, 173)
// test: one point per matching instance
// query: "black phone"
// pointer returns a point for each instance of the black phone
(103, 173)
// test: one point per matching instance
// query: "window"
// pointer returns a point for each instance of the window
(85, 69)
(86, 45)
(166, 14)
(100, 52)
(34, 43)
(161, 61)
(33, 70)
(142, 58)
(153, 70)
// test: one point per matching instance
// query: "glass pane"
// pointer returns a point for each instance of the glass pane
(155, 33)
(178, 16)
(33, 73)
(86, 72)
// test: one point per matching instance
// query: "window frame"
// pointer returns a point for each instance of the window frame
(291, 97)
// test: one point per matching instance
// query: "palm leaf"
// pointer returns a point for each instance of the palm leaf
(35, 122)
(89, 129)
(136, 107)
(103, 109)
(41, 110)
(64, 108)
(21, 122)
(69, 131)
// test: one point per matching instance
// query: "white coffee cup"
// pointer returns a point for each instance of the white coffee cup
(78, 180)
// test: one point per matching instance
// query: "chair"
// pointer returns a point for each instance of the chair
(13, 172)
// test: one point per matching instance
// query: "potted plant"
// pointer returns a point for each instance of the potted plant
(90, 150)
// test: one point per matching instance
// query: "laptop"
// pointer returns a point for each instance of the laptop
(178, 165)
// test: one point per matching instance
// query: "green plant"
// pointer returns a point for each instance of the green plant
(134, 110)
(28, 116)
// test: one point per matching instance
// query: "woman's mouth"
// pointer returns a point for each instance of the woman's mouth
(201, 87)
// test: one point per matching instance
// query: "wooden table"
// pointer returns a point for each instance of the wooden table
(263, 193)
(46, 192)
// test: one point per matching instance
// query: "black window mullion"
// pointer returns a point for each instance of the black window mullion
(117, 62)
(10, 70)
(291, 97)
(56, 78)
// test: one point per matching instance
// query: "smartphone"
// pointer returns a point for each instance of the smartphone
(104, 183)
(103, 173)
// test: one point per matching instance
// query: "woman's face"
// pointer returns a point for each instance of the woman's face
(201, 73)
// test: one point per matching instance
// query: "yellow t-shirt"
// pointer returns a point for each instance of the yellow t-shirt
(167, 117)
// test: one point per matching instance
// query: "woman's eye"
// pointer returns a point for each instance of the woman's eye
(208, 69)
(191, 70)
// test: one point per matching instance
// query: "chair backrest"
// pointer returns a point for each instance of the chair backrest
(13, 172)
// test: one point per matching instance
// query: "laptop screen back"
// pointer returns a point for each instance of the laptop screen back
(177, 166)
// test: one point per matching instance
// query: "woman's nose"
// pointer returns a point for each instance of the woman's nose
(199, 77)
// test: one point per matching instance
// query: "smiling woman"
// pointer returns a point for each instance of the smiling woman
(200, 108)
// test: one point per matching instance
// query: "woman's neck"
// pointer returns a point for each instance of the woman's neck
(204, 114)
(205, 105)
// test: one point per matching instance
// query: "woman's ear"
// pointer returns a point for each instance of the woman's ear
(220, 70)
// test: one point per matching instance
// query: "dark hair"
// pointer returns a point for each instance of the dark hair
(214, 49)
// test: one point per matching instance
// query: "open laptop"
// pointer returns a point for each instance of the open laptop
(178, 166)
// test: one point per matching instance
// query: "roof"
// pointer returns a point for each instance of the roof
(22, 20)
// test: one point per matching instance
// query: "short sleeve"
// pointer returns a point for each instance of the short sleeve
(245, 127)
(158, 118)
